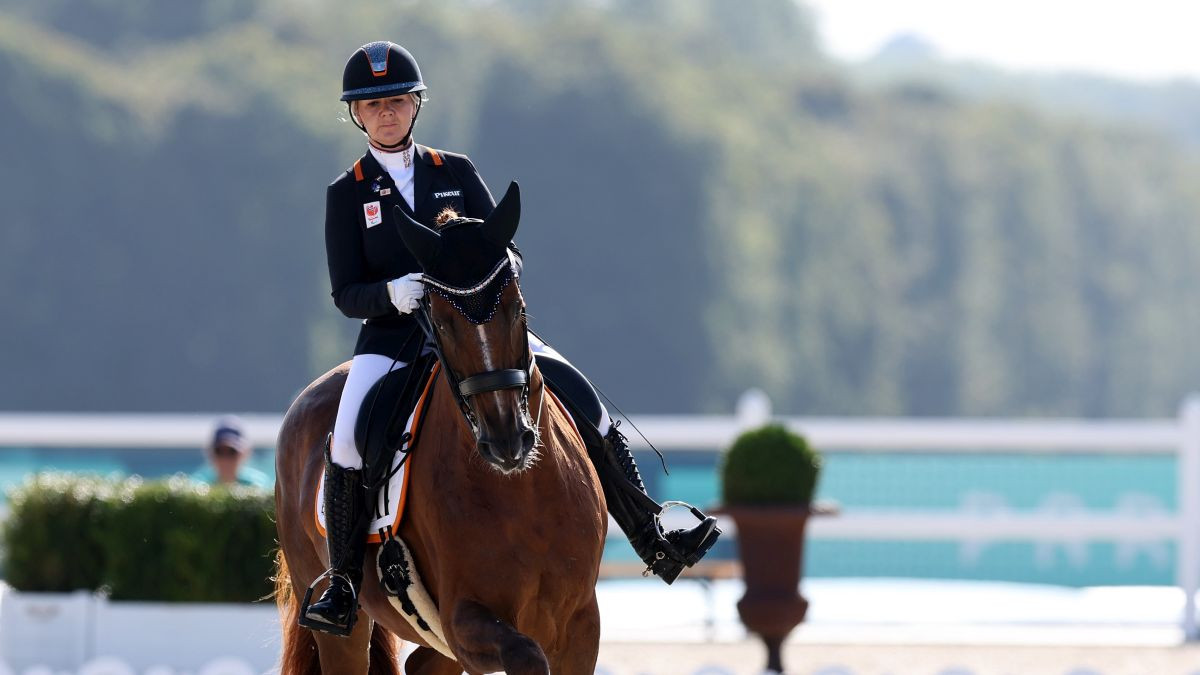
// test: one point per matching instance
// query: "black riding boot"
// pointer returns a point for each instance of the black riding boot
(337, 610)
(664, 554)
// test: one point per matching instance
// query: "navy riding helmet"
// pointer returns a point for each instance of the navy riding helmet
(380, 69)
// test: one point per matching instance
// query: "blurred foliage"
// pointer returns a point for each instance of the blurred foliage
(53, 539)
(1170, 105)
(172, 541)
(769, 466)
(710, 206)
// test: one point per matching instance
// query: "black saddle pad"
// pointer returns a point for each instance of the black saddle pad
(385, 410)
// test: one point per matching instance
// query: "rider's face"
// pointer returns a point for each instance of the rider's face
(387, 119)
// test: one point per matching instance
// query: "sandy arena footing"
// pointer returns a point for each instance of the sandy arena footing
(748, 658)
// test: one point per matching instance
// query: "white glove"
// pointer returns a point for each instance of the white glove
(406, 292)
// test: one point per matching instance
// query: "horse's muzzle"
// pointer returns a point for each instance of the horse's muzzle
(508, 453)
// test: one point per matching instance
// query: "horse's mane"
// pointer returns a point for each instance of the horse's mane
(445, 216)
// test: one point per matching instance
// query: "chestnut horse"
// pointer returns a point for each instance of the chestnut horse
(504, 514)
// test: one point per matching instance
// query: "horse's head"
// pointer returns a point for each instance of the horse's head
(474, 311)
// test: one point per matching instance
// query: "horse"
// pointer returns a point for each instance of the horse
(504, 515)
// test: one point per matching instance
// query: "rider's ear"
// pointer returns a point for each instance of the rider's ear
(500, 227)
(423, 242)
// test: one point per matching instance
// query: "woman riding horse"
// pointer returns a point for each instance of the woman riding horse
(500, 466)
(376, 278)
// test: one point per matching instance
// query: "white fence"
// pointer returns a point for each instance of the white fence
(1179, 437)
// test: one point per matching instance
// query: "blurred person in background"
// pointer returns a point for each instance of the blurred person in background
(376, 279)
(227, 453)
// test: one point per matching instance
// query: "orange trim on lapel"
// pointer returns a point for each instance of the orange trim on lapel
(358, 170)
(437, 159)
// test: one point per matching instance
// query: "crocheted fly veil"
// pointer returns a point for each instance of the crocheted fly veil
(477, 303)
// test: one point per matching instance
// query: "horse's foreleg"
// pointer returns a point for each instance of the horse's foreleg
(576, 651)
(486, 644)
(348, 654)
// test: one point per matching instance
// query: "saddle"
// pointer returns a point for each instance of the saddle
(383, 418)
(387, 429)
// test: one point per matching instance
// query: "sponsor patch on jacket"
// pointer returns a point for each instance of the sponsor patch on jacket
(448, 193)
(373, 213)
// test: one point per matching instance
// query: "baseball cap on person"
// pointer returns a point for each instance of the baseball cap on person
(230, 432)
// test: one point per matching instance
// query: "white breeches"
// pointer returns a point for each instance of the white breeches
(365, 371)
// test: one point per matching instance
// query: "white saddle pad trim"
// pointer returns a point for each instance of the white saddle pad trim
(426, 609)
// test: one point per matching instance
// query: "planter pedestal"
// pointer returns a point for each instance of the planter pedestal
(771, 546)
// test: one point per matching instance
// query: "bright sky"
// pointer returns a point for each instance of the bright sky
(1139, 39)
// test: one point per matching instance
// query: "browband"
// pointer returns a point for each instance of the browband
(455, 290)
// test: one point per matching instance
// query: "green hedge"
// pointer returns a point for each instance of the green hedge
(173, 540)
(769, 466)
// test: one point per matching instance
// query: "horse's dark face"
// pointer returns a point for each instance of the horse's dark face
(477, 316)
(504, 434)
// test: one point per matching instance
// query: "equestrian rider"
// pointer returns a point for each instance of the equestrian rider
(376, 279)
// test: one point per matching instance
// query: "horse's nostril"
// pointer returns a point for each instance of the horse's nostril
(508, 454)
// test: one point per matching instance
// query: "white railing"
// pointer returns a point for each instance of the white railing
(1179, 437)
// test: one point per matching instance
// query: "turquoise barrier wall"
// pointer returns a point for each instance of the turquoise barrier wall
(978, 484)
(937, 482)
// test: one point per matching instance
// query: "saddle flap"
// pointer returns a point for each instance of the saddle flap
(379, 430)
(387, 470)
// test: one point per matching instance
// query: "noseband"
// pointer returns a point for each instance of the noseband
(478, 304)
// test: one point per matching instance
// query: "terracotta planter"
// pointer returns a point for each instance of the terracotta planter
(771, 546)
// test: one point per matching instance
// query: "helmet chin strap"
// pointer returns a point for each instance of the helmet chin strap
(395, 146)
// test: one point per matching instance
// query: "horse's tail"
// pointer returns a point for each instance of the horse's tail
(300, 648)
(299, 656)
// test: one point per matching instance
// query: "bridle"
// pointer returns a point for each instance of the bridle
(488, 381)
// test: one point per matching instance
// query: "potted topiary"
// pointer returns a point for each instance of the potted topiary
(768, 478)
